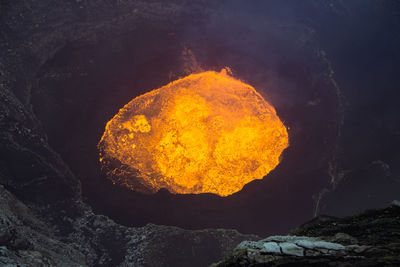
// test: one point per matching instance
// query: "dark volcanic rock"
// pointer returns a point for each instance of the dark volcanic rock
(96, 240)
(24, 239)
(369, 239)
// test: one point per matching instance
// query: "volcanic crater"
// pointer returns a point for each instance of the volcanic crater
(95, 78)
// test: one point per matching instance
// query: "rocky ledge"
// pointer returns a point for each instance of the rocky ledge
(93, 240)
(369, 239)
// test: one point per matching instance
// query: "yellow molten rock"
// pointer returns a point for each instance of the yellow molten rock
(205, 133)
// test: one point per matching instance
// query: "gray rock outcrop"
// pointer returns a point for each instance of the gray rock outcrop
(368, 239)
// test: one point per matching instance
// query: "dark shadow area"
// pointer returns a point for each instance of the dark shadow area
(362, 42)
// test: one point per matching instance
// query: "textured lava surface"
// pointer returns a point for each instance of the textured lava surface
(205, 133)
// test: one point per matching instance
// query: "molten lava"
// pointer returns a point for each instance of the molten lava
(205, 133)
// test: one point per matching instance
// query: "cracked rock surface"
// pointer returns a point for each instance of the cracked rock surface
(301, 246)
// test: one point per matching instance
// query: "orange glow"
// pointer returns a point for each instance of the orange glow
(205, 133)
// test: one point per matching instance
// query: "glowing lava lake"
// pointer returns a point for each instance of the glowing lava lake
(204, 133)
